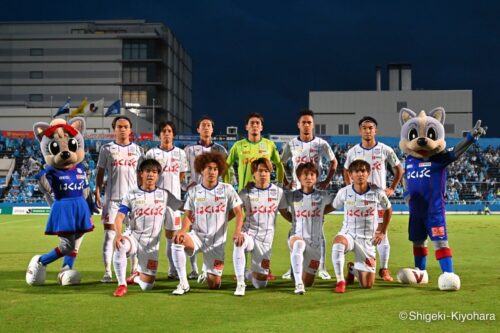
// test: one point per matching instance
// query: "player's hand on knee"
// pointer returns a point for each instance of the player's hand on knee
(118, 241)
(238, 238)
(179, 237)
(378, 237)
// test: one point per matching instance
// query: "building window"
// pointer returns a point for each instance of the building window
(78, 31)
(320, 129)
(135, 51)
(36, 75)
(136, 96)
(449, 128)
(343, 129)
(135, 74)
(36, 98)
(36, 52)
(400, 105)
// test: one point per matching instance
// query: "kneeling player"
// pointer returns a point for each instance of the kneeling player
(207, 210)
(149, 208)
(361, 231)
(261, 203)
(308, 206)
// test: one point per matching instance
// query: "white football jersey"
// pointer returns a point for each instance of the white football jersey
(210, 208)
(306, 151)
(173, 162)
(148, 212)
(194, 150)
(121, 164)
(261, 209)
(307, 213)
(376, 156)
(360, 209)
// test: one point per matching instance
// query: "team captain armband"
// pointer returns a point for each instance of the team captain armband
(123, 209)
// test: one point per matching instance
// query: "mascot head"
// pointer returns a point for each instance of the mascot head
(422, 135)
(61, 143)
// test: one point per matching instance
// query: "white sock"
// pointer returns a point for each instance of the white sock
(297, 259)
(322, 260)
(179, 258)
(258, 284)
(142, 284)
(107, 249)
(384, 251)
(168, 253)
(194, 264)
(120, 263)
(134, 262)
(248, 275)
(239, 262)
(338, 259)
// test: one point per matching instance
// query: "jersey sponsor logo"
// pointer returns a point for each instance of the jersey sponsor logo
(177, 221)
(71, 186)
(131, 154)
(438, 232)
(380, 214)
(152, 265)
(218, 265)
(171, 168)
(220, 208)
(64, 177)
(417, 174)
(409, 166)
(314, 264)
(377, 166)
(248, 160)
(361, 212)
(306, 159)
(263, 151)
(124, 162)
(424, 164)
(263, 209)
(370, 262)
(308, 213)
(148, 211)
(265, 263)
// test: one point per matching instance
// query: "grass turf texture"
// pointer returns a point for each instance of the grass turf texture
(91, 306)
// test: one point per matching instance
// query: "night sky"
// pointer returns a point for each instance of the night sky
(263, 56)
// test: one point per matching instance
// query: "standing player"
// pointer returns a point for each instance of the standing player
(249, 149)
(308, 148)
(207, 210)
(261, 203)
(307, 209)
(149, 207)
(205, 128)
(377, 155)
(119, 159)
(174, 165)
(361, 229)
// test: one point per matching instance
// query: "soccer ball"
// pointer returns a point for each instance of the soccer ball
(36, 272)
(449, 281)
(412, 276)
(69, 277)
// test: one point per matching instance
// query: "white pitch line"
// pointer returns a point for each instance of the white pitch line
(10, 222)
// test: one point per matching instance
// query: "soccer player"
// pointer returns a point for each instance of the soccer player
(377, 155)
(207, 210)
(249, 149)
(174, 165)
(205, 128)
(307, 208)
(119, 159)
(361, 230)
(149, 207)
(261, 203)
(309, 148)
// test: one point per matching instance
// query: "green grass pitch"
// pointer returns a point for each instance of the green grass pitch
(91, 306)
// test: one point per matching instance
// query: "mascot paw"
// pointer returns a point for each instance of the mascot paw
(449, 281)
(412, 276)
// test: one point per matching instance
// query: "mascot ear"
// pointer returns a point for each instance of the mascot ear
(405, 115)
(38, 129)
(78, 123)
(439, 114)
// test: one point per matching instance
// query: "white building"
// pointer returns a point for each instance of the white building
(338, 112)
(44, 63)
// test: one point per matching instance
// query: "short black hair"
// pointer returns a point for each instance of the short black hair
(255, 115)
(150, 164)
(204, 118)
(305, 113)
(162, 125)
(308, 166)
(367, 118)
(113, 123)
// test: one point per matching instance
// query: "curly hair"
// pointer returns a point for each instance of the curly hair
(202, 160)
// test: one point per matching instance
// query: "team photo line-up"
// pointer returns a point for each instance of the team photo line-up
(143, 196)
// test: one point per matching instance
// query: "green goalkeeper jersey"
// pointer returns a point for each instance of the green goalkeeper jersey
(244, 152)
